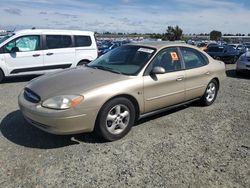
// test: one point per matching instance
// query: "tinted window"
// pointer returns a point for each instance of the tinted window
(24, 44)
(192, 58)
(58, 41)
(82, 41)
(216, 49)
(168, 59)
(230, 49)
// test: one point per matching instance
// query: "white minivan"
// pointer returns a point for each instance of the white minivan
(37, 51)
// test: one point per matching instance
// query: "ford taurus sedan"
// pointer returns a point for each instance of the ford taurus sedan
(128, 83)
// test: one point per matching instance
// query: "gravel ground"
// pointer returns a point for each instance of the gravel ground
(191, 146)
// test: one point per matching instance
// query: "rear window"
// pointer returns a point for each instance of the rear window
(58, 41)
(216, 49)
(81, 41)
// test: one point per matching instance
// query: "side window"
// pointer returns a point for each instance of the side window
(81, 41)
(24, 44)
(58, 41)
(168, 59)
(193, 58)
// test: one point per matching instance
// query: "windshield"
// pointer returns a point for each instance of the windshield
(4, 38)
(128, 60)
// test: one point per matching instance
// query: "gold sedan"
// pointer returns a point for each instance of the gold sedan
(128, 83)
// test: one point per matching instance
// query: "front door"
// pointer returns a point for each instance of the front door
(162, 90)
(24, 55)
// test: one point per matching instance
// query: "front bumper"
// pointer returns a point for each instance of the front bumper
(60, 122)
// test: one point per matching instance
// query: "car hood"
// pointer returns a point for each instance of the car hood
(72, 81)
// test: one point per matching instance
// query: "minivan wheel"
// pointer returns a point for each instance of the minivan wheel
(1, 76)
(84, 62)
(115, 119)
(210, 93)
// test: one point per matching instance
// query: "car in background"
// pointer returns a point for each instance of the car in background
(247, 45)
(111, 47)
(224, 53)
(240, 47)
(36, 51)
(243, 64)
(128, 83)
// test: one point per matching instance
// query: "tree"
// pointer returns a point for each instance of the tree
(156, 36)
(215, 35)
(173, 33)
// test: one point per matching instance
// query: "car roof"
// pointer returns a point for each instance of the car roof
(161, 44)
(53, 31)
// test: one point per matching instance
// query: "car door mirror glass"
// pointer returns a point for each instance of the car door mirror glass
(158, 70)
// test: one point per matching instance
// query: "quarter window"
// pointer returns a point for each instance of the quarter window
(192, 58)
(24, 44)
(81, 41)
(168, 59)
(58, 41)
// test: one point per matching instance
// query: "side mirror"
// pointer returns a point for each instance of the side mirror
(14, 49)
(158, 70)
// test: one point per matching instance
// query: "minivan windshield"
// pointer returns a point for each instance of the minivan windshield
(128, 59)
(5, 38)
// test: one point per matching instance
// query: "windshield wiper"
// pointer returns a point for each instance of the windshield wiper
(105, 68)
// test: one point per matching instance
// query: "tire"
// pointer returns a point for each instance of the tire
(238, 73)
(115, 119)
(235, 58)
(1, 76)
(81, 63)
(210, 94)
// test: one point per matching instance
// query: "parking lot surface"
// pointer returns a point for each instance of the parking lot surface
(191, 146)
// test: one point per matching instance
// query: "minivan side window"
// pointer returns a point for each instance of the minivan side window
(81, 41)
(24, 43)
(193, 58)
(58, 41)
(168, 59)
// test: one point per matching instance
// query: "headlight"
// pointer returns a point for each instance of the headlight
(62, 102)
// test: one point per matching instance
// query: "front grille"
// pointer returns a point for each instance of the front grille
(31, 96)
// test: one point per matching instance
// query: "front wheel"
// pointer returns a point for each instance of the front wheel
(210, 93)
(1, 76)
(115, 119)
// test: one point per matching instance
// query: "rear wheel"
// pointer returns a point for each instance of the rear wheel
(115, 119)
(210, 93)
(83, 62)
(1, 76)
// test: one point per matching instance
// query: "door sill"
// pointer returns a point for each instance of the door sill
(166, 109)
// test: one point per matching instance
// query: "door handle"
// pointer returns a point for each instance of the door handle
(49, 53)
(207, 73)
(36, 55)
(180, 78)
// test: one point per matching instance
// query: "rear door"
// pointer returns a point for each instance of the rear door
(59, 52)
(197, 74)
(28, 56)
(166, 89)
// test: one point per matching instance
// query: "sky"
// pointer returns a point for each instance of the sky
(126, 16)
